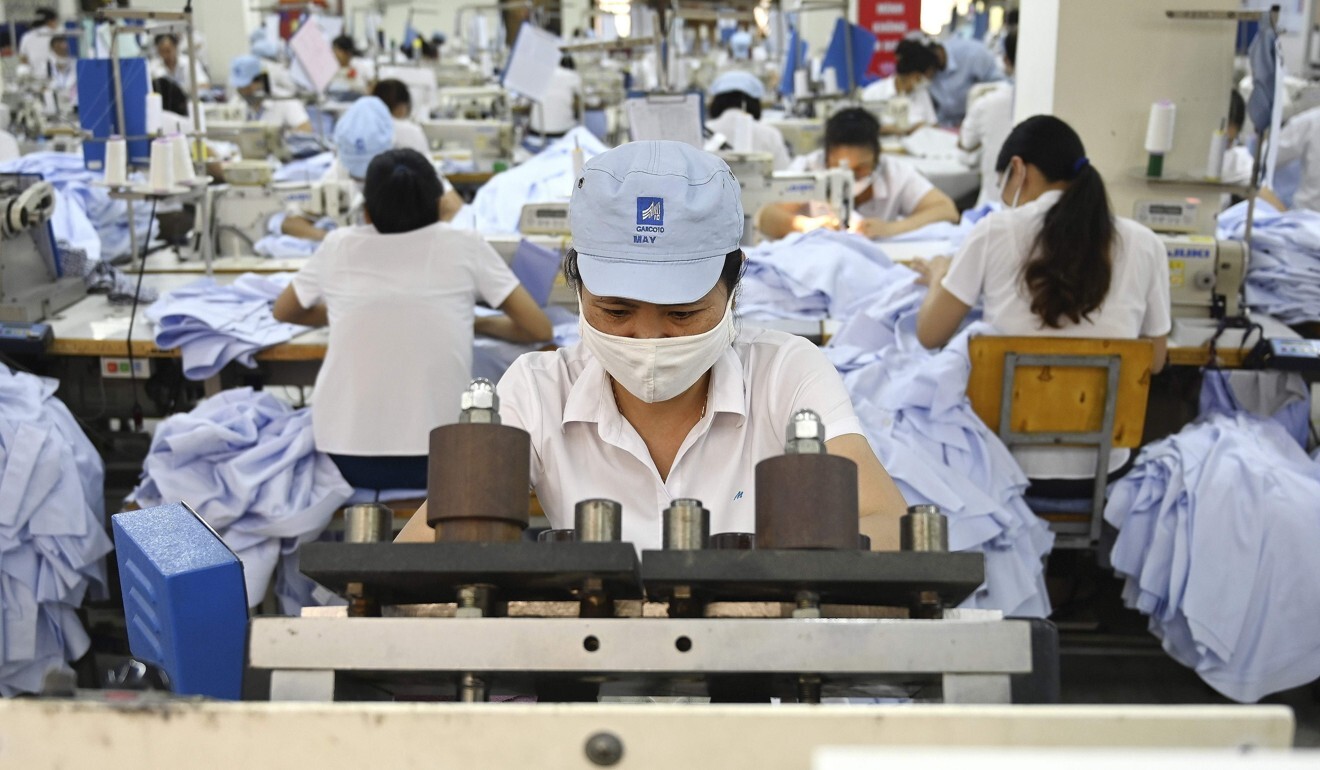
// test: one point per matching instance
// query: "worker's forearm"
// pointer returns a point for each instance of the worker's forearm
(923, 217)
(300, 227)
(314, 316)
(774, 221)
(503, 327)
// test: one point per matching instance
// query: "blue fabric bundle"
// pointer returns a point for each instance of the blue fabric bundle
(246, 462)
(214, 324)
(820, 274)
(1218, 536)
(914, 410)
(84, 215)
(52, 531)
(1283, 274)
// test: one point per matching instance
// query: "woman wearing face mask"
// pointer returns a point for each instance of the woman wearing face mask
(891, 196)
(1057, 263)
(248, 76)
(666, 397)
(913, 61)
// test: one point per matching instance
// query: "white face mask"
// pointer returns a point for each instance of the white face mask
(860, 187)
(1003, 186)
(658, 369)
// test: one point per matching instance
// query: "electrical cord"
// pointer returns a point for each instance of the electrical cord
(137, 292)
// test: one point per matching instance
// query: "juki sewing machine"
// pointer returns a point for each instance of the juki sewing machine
(1205, 276)
(802, 609)
(762, 185)
(33, 285)
(255, 140)
(243, 210)
(487, 140)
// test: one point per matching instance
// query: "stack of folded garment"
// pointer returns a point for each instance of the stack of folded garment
(1283, 274)
(247, 464)
(214, 324)
(52, 532)
(1218, 536)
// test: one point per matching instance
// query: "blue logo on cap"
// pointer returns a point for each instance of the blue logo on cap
(651, 211)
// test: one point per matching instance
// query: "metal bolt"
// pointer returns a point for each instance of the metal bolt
(808, 605)
(472, 688)
(604, 749)
(809, 688)
(479, 403)
(686, 526)
(806, 434)
(473, 601)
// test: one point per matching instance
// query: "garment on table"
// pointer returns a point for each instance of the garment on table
(246, 463)
(583, 447)
(815, 275)
(1280, 396)
(988, 123)
(915, 413)
(896, 187)
(84, 214)
(546, 177)
(969, 63)
(310, 169)
(1217, 539)
(286, 113)
(215, 324)
(104, 278)
(1283, 273)
(988, 270)
(52, 532)
(733, 123)
(401, 313)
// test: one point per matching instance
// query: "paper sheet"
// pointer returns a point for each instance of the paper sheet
(670, 116)
(312, 50)
(532, 62)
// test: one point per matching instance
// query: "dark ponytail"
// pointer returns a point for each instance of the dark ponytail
(1071, 265)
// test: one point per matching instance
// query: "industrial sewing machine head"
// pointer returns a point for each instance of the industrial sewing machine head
(1205, 276)
(762, 185)
(487, 140)
(255, 140)
(33, 284)
(801, 608)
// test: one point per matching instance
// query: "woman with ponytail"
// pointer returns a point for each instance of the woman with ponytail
(398, 294)
(1056, 262)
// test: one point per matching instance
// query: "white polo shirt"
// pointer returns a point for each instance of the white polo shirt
(1300, 139)
(400, 350)
(286, 113)
(988, 270)
(896, 187)
(764, 138)
(554, 113)
(582, 447)
(988, 123)
(408, 134)
(921, 110)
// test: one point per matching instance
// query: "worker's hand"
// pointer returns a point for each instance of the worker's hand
(931, 271)
(807, 224)
(873, 228)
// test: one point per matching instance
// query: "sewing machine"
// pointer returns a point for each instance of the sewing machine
(242, 211)
(256, 141)
(488, 140)
(472, 103)
(802, 135)
(33, 285)
(1205, 276)
(893, 113)
(762, 185)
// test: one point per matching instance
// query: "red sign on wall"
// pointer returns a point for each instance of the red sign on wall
(890, 21)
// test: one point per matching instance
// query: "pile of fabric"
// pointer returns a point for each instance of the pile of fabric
(214, 324)
(1218, 536)
(247, 464)
(1283, 274)
(915, 413)
(821, 274)
(547, 176)
(52, 532)
(84, 216)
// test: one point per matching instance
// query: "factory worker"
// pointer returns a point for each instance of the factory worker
(960, 64)
(34, 47)
(913, 61)
(1299, 140)
(356, 72)
(282, 84)
(169, 63)
(735, 112)
(63, 73)
(364, 131)
(398, 294)
(398, 99)
(891, 196)
(667, 396)
(248, 76)
(987, 124)
(558, 112)
(1056, 263)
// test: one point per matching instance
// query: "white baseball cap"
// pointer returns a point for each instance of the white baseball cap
(653, 221)
(738, 80)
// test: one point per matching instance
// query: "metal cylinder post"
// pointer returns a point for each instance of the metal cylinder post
(733, 541)
(686, 526)
(556, 536)
(924, 528)
(368, 523)
(598, 521)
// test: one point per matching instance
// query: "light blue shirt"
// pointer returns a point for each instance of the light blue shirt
(969, 63)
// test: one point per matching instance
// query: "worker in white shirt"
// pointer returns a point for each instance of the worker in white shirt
(398, 99)
(561, 109)
(890, 196)
(398, 292)
(666, 396)
(63, 74)
(912, 63)
(988, 121)
(1299, 140)
(735, 112)
(356, 73)
(248, 76)
(170, 63)
(34, 47)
